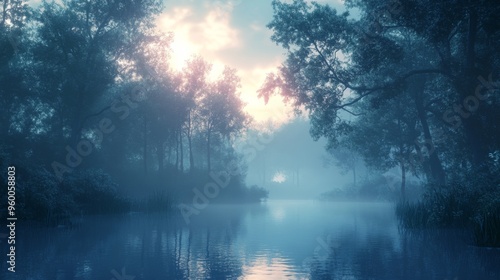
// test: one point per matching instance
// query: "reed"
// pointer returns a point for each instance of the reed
(486, 230)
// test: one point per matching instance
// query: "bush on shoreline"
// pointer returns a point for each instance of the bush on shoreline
(473, 204)
(41, 197)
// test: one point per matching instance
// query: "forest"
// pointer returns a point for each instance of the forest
(298, 139)
(95, 119)
(407, 84)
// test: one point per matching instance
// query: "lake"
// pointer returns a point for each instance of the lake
(274, 240)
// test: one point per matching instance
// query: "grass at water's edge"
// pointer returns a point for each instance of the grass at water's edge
(484, 227)
(486, 231)
(412, 215)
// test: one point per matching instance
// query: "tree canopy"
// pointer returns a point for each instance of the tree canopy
(417, 78)
(88, 85)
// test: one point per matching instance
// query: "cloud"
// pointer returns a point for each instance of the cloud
(212, 32)
(216, 32)
(196, 34)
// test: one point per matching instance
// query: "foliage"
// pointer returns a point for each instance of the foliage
(256, 194)
(402, 71)
(95, 192)
(472, 204)
(235, 191)
(78, 72)
(40, 196)
(413, 215)
(486, 230)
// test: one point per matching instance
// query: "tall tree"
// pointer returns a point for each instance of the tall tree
(78, 48)
(193, 84)
(222, 110)
(333, 62)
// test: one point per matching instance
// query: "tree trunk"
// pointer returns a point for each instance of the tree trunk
(209, 166)
(354, 174)
(435, 167)
(160, 154)
(403, 181)
(145, 147)
(176, 150)
(169, 153)
(402, 158)
(191, 158)
(472, 124)
(182, 153)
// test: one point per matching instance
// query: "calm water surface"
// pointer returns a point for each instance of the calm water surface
(276, 240)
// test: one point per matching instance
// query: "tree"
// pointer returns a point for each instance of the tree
(393, 48)
(194, 84)
(347, 159)
(222, 110)
(466, 37)
(77, 54)
(72, 72)
(13, 53)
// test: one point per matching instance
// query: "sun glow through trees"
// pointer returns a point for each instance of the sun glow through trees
(279, 177)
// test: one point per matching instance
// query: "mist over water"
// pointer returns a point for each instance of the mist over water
(294, 166)
(276, 240)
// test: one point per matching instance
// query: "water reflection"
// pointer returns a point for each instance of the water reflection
(279, 240)
(271, 267)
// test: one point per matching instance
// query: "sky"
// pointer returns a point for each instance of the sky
(232, 33)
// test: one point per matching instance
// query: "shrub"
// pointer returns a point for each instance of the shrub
(40, 196)
(486, 223)
(257, 194)
(486, 230)
(472, 203)
(95, 192)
